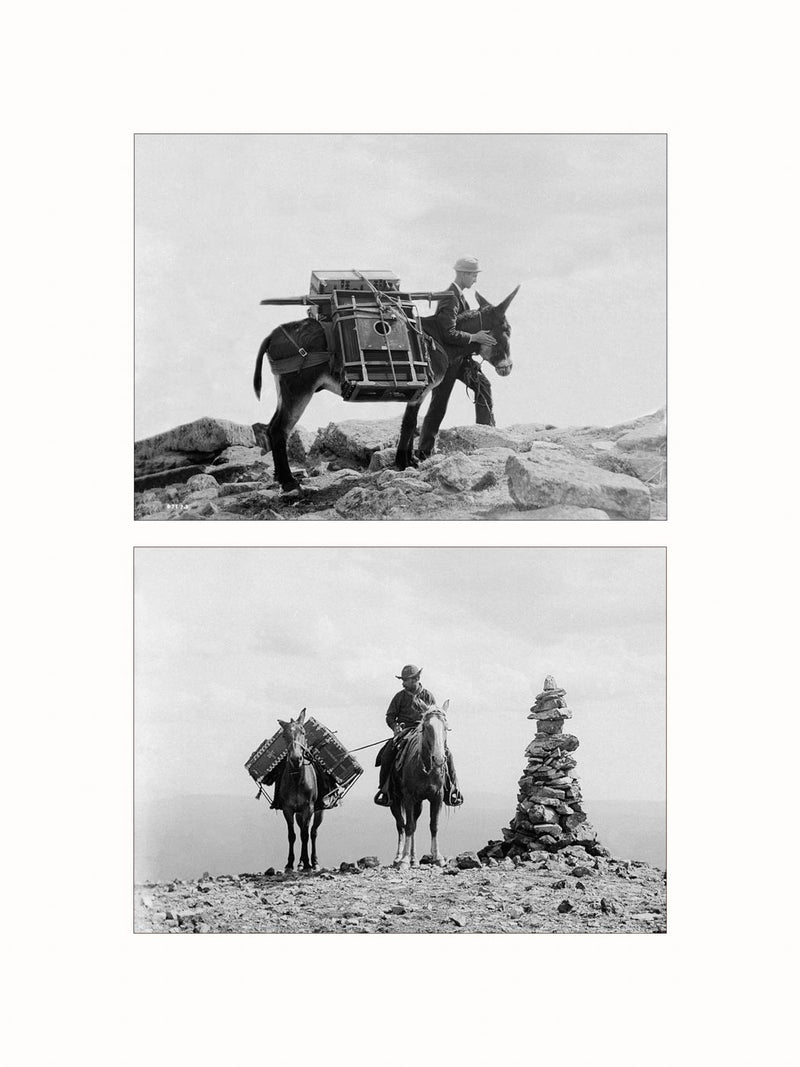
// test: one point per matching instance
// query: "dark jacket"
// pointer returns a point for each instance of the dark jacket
(445, 317)
(408, 708)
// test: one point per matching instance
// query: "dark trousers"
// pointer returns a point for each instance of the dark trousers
(463, 370)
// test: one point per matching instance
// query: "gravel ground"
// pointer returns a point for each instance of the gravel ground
(558, 894)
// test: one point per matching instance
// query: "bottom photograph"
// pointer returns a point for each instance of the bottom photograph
(400, 740)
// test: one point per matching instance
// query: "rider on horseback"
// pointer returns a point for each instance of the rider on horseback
(405, 711)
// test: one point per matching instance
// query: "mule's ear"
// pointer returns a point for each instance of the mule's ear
(502, 307)
(282, 724)
(482, 302)
(302, 716)
(445, 706)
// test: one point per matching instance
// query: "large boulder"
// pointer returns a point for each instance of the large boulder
(652, 437)
(549, 475)
(194, 442)
(476, 471)
(358, 439)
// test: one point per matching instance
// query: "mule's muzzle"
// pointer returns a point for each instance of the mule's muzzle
(504, 368)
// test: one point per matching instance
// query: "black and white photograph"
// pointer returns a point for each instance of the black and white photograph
(400, 740)
(400, 326)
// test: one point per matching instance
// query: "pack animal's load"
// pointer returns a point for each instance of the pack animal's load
(378, 350)
(324, 747)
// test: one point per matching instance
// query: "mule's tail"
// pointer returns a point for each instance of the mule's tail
(259, 362)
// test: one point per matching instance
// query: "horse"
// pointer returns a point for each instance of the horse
(297, 793)
(296, 388)
(419, 775)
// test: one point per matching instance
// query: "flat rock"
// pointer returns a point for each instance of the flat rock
(469, 439)
(203, 438)
(546, 477)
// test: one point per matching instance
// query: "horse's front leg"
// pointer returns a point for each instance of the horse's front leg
(289, 816)
(400, 823)
(314, 827)
(304, 818)
(436, 808)
(409, 808)
(404, 456)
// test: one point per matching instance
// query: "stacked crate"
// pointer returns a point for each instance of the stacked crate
(323, 745)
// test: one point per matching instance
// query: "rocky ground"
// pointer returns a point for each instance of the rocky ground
(212, 469)
(561, 892)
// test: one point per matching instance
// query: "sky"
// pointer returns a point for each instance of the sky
(579, 221)
(230, 640)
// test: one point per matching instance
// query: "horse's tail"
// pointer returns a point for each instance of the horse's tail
(259, 362)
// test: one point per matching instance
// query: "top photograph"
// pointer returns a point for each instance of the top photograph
(400, 327)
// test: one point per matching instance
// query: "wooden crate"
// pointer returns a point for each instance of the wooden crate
(323, 282)
(382, 354)
(334, 757)
(322, 742)
(266, 757)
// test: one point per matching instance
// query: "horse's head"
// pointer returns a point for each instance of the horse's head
(492, 318)
(294, 734)
(433, 727)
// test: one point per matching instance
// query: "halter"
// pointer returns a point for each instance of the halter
(441, 715)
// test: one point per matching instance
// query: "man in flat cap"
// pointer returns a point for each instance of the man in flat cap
(405, 711)
(464, 369)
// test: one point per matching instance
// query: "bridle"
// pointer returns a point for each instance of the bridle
(440, 715)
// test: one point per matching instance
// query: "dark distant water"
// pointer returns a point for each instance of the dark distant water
(184, 837)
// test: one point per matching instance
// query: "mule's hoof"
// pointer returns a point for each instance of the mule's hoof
(289, 487)
(440, 862)
(422, 456)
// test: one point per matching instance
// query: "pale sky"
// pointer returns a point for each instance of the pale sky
(230, 640)
(578, 220)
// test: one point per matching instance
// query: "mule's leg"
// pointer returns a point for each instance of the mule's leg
(436, 808)
(304, 818)
(289, 816)
(436, 412)
(293, 399)
(314, 827)
(400, 823)
(404, 456)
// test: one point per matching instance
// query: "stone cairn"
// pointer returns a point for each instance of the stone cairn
(549, 813)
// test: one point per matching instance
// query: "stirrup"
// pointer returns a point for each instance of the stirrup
(381, 799)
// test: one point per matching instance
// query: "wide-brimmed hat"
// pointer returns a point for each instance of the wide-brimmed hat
(409, 671)
(467, 263)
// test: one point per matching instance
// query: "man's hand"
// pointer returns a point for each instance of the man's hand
(483, 338)
(398, 729)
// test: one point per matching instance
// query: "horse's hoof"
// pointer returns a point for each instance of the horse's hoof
(422, 456)
(440, 862)
(413, 461)
(415, 863)
(289, 487)
(401, 464)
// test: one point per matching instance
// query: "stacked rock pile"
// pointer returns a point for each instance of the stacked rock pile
(549, 813)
